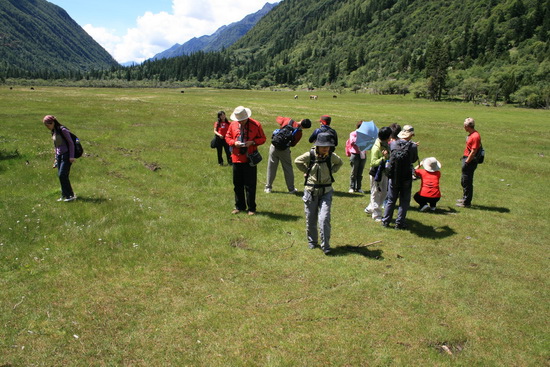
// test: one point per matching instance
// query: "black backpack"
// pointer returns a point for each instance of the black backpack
(78, 149)
(282, 138)
(480, 155)
(399, 169)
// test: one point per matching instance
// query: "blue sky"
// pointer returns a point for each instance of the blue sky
(135, 30)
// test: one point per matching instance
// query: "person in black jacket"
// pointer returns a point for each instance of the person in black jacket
(325, 127)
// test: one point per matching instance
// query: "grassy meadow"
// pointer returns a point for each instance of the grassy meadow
(149, 268)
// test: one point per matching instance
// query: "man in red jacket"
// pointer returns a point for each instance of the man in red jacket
(243, 136)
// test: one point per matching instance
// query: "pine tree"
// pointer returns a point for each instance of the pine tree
(437, 62)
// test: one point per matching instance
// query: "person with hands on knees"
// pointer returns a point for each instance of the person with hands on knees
(318, 165)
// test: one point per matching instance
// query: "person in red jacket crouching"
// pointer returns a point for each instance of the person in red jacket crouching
(243, 136)
(429, 193)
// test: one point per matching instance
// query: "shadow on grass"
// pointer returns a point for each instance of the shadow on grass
(425, 231)
(490, 208)
(86, 199)
(279, 216)
(342, 194)
(357, 250)
(5, 155)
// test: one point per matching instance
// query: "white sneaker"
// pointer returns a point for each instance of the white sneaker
(293, 191)
(425, 208)
(378, 220)
(367, 210)
(70, 198)
(267, 190)
(351, 191)
(61, 199)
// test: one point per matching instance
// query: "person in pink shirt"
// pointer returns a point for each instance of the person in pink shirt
(357, 160)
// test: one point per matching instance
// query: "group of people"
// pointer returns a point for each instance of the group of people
(392, 170)
(391, 167)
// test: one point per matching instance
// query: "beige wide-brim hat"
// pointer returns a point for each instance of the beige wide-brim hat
(431, 164)
(406, 132)
(241, 113)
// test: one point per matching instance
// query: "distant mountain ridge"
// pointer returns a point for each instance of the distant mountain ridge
(36, 35)
(224, 36)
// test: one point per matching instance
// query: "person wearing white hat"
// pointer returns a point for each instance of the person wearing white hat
(244, 136)
(429, 193)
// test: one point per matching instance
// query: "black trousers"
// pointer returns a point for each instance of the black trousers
(222, 146)
(423, 200)
(244, 182)
(467, 180)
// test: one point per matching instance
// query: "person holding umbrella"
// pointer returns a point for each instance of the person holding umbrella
(357, 160)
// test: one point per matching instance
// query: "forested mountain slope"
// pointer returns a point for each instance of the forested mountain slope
(39, 38)
(478, 50)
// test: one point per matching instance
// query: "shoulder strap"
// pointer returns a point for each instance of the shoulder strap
(328, 161)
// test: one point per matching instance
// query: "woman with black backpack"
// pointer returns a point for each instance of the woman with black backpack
(64, 155)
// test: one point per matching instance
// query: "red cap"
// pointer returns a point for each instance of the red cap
(325, 120)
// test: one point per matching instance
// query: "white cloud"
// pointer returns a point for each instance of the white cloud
(156, 32)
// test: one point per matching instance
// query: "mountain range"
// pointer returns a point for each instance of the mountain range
(490, 50)
(40, 37)
(224, 36)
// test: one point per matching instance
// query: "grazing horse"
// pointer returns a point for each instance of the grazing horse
(313, 96)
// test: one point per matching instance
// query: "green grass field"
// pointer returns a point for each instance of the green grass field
(149, 268)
